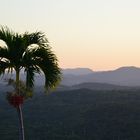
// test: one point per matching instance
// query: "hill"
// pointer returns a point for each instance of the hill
(101, 86)
(124, 76)
(80, 114)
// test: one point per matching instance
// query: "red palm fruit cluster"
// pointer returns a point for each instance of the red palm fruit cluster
(16, 100)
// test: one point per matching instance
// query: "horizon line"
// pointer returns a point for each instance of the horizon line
(127, 66)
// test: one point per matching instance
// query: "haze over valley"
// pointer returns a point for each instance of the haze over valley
(123, 76)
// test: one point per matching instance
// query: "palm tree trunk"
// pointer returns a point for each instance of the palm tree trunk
(17, 80)
(21, 125)
(19, 109)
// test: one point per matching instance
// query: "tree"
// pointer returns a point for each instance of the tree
(32, 53)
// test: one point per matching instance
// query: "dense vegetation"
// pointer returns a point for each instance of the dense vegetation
(75, 115)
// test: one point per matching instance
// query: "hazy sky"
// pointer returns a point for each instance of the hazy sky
(99, 34)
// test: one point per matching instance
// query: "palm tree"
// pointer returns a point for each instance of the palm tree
(32, 53)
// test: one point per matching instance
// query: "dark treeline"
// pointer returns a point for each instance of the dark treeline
(75, 115)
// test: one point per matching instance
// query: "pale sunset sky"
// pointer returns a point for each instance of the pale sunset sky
(98, 34)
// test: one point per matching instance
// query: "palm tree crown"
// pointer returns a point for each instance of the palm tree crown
(30, 51)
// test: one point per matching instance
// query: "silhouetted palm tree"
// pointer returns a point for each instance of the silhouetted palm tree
(31, 52)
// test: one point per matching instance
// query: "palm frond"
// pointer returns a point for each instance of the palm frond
(30, 73)
(6, 35)
(15, 46)
(5, 66)
(35, 38)
(44, 58)
(47, 61)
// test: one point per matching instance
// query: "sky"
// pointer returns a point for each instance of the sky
(97, 34)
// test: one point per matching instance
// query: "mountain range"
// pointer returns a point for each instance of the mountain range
(123, 76)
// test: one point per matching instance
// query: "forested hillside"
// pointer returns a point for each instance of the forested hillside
(75, 115)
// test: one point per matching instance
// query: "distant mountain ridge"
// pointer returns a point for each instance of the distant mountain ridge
(124, 76)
